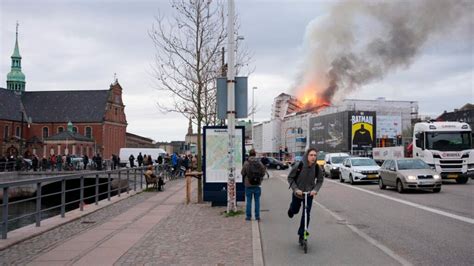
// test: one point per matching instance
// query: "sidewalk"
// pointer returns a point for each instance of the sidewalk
(147, 228)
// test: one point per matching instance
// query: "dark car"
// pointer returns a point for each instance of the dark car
(274, 164)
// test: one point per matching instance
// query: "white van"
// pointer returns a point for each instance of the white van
(126, 152)
(333, 164)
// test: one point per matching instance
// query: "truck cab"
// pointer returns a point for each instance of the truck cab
(446, 147)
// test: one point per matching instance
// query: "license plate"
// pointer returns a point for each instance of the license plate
(453, 176)
(371, 176)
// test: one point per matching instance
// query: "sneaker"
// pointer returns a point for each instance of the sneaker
(290, 214)
(300, 240)
(247, 219)
(258, 219)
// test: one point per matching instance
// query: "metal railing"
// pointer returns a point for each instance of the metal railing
(133, 177)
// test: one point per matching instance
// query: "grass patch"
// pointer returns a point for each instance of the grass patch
(150, 189)
(232, 213)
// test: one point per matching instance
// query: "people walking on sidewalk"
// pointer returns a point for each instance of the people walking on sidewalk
(306, 176)
(253, 172)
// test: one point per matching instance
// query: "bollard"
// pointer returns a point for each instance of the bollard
(63, 198)
(38, 204)
(81, 194)
(5, 213)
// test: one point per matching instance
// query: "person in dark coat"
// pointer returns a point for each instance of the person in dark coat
(307, 176)
(131, 159)
(252, 167)
(140, 159)
(85, 161)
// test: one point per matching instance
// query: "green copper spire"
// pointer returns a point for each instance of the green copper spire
(69, 126)
(16, 78)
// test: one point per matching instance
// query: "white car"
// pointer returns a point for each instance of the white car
(333, 161)
(359, 169)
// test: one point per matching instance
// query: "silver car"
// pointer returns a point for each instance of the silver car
(409, 174)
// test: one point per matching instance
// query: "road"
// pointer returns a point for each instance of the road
(363, 225)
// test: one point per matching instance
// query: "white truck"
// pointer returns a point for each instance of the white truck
(388, 153)
(447, 147)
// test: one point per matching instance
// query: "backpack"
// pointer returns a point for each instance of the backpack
(255, 174)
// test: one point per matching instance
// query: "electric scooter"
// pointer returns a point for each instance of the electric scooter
(304, 244)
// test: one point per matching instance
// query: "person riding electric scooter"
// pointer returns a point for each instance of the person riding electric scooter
(306, 176)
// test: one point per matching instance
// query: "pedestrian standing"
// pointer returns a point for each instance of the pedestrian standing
(131, 159)
(307, 176)
(85, 161)
(139, 159)
(252, 172)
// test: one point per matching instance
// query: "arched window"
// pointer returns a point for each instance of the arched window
(74, 129)
(60, 129)
(5, 133)
(89, 132)
(45, 132)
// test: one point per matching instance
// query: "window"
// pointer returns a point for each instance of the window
(5, 133)
(60, 129)
(45, 132)
(116, 110)
(17, 132)
(74, 129)
(89, 132)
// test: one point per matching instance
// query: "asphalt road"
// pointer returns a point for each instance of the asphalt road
(363, 225)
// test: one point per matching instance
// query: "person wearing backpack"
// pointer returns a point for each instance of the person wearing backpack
(306, 176)
(253, 172)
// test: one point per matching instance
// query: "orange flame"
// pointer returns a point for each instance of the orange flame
(308, 95)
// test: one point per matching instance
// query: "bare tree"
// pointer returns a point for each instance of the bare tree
(186, 60)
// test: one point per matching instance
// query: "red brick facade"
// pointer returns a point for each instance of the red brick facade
(109, 135)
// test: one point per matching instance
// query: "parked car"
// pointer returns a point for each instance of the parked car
(409, 173)
(359, 169)
(333, 161)
(273, 163)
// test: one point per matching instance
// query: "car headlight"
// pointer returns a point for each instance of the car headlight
(358, 171)
(411, 177)
(436, 177)
(335, 168)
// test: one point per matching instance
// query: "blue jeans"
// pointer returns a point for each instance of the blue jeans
(255, 191)
(295, 206)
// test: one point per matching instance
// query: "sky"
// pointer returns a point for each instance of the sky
(80, 45)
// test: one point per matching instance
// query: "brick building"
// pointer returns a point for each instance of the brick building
(30, 121)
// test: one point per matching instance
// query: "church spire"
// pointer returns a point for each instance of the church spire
(16, 78)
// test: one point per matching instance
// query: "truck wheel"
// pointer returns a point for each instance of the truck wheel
(462, 180)
(400, 188)
(436, 190)
(381, 185)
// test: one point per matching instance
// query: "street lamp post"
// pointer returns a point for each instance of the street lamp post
(253, 104)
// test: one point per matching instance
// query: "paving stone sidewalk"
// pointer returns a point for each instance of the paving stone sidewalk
(195, 234)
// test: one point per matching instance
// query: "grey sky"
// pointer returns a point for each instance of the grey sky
(74, 45)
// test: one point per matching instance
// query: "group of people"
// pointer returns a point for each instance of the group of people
(305, 176)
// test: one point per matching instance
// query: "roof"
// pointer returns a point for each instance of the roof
(67, 135)
(10, 105)
(61, 106)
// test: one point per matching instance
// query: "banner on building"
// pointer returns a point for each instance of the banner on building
(363, 129)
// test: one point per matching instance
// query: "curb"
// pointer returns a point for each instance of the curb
(257, 244)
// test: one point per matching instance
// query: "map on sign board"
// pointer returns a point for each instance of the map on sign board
(216, 155)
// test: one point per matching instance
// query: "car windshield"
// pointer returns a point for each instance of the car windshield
(363, 162)
(338, 159)
(412, 164)
(448, 141)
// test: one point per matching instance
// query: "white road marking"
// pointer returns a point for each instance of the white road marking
(369, 239)
(416, 205)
